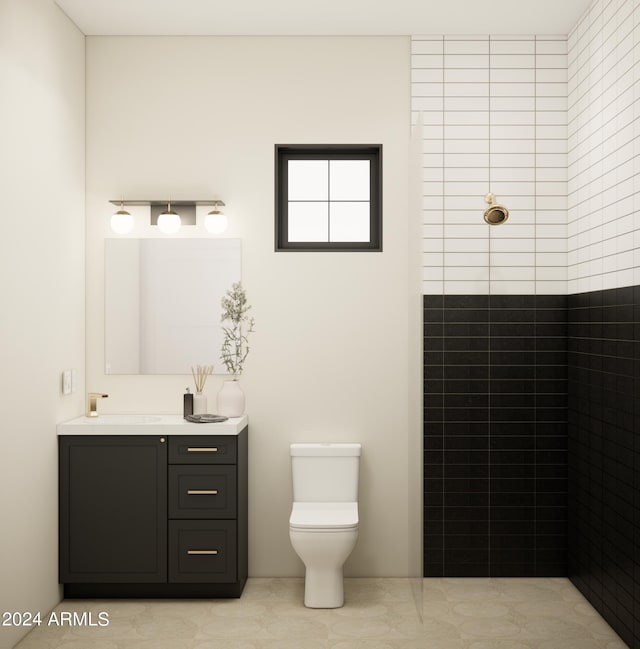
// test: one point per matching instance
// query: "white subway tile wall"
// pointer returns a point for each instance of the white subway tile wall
(604, 148)
(494, 115)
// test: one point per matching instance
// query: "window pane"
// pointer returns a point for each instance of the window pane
(350, 221)
(349, 180)
(308, 221)
(328, 197)
(308, 180)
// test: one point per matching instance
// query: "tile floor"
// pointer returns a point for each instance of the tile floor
(379, 614)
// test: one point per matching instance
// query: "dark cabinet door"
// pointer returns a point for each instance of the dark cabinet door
(113, 509)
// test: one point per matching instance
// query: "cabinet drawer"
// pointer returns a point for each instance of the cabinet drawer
(202, 551)
(202, 491)
(202, 449)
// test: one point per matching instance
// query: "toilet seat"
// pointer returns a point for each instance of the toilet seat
(324, 517)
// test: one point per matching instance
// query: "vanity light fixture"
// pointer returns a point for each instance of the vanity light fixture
(169, 221)
(216, 222)
(121, 221)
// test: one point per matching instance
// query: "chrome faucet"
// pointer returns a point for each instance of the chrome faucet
(92, 405)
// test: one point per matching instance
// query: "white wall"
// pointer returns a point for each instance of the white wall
(41, 288)
(604, 148)
(494, 114)
(198, 118)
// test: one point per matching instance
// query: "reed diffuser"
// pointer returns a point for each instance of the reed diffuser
(200, 374)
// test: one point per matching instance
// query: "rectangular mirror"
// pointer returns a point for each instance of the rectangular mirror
(162, 303)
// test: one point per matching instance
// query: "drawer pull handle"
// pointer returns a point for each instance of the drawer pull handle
(202, 492)
(202, 449)
(202, 552)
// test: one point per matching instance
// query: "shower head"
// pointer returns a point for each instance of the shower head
(495, 214)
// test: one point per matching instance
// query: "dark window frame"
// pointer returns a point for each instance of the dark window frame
(286, 152)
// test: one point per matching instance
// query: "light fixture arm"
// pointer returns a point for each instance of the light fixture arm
(146, 202)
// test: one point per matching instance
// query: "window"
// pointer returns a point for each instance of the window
(329, 197)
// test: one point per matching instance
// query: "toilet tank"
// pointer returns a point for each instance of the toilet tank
(325, 472)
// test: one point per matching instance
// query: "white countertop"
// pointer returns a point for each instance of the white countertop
(147, 425)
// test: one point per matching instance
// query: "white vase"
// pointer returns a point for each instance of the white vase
(199, 404)
(230, 400)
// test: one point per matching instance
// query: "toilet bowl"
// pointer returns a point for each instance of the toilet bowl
(323, 535)
(323, 526)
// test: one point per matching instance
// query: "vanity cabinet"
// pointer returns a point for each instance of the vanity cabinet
(153, 516)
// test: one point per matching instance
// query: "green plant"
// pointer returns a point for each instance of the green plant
(235, 346)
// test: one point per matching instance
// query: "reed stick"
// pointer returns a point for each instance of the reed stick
(200, 374)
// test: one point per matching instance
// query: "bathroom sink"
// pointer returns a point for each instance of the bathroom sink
(123, 420)
(124, 424)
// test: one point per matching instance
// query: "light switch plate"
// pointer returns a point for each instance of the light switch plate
(66, 382)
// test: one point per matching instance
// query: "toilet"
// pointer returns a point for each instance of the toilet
(323, 526)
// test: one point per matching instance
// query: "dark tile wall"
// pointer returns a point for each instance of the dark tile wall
(604, 454)
(495, 439)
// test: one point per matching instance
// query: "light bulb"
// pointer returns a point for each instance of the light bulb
(169, 221)
(216, 222)
(121, 221)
